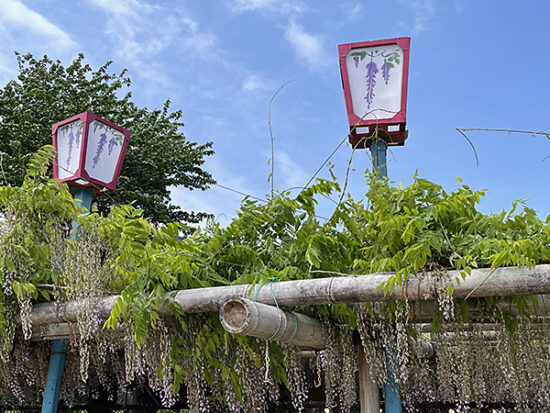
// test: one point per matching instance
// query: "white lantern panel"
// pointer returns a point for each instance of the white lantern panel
(103, 152)
(376, 79)
(69, 140)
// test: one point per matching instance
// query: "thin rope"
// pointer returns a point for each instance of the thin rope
(267, 340)
(278, 309)
(295, 328)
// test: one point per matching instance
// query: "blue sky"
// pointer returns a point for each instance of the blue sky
(473, 64)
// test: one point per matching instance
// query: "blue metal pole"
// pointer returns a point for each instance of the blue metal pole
(391, 388)
(378, 150)
(55, 374)
(83, 198)
(392, 394)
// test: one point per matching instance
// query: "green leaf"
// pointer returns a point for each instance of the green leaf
(360, 54)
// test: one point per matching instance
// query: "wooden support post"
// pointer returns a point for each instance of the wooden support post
(249, 318)
(369, 400)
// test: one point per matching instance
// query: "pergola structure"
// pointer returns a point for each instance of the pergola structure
(266, 318)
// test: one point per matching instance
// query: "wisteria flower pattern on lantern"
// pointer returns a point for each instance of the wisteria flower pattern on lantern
(104, 146)
(79, 133)
(115, 139)
(100, 146)
(372, 70)
(390, 58)
(69, 152)
(71, 140)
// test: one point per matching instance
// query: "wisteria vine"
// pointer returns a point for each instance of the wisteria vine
(190, 361)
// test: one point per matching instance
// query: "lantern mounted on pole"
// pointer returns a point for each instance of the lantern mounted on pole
(375, 78)
(90, 151)
(89, 155)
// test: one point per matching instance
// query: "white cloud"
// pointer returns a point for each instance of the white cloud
(127, 23)
(142, 32)
(423, 11)
(223, 202)
(23, 29)
(353, 13)
(288, 173)
(278, 6)
(195, 39)
(254, 83)
(307, 46)
(16, 15)
(6, 70)
(122, 7)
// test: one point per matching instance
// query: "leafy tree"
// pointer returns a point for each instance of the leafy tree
(159, 156)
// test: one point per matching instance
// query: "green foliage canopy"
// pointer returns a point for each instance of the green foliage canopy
(159, 156)
(400, 229)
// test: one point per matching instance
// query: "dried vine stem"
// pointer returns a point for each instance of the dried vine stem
(481, 283)
(51, 286)
(463, 131)
(272, 138)
(547, 134)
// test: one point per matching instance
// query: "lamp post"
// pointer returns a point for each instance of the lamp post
(375, 77)
(89, 155)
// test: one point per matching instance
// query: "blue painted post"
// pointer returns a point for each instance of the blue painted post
(378, 150)
(55, 374)
(83, 198)
(391, 388)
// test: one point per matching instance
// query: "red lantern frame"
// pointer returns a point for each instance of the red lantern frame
(80, 174)
(383, 126)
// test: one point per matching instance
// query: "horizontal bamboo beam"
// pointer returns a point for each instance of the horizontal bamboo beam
(507, 281)
(54, 332)
(248, 318)
(59, 313)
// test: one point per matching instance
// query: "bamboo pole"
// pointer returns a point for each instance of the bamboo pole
(248, 318)
(53, 332)
(508, 281)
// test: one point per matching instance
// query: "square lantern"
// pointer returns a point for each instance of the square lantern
(90, 151)
(375, 77)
